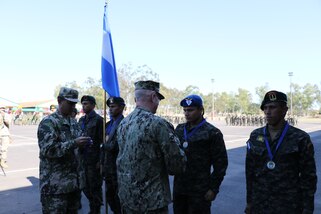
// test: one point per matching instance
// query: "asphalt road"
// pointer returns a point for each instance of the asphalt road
(19, 189)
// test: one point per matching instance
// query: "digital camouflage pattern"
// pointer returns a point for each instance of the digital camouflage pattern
(206, 148)
(63, 203)
(61, 168)
(4, 139)
(92, 126)
(291, 185)
(149, 85)
(148, 151)
(69, 94)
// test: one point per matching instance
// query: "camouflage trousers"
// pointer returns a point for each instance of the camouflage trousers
(191, 204)
(126, 210)
(112, 194)
(61, 203)
(4, 144)
(93, 187)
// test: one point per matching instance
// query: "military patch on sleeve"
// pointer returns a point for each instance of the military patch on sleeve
(248, 145)
(260, 138)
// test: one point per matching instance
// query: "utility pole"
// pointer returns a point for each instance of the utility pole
(291, 107)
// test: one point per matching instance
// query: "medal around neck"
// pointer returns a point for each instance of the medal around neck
(185, 144)
(270, 165)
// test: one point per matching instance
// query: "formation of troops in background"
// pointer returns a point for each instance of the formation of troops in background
(34, 118)
(252, 120)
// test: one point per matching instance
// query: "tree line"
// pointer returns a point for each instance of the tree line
(305, 99)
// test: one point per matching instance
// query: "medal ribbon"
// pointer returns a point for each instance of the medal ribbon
(187, 135)
(279, 141)
(111, 124)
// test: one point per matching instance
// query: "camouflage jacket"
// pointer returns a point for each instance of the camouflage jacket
(206, 148)
(291, 185)
(4, 130)
(92, 126)
(110, 150)
(148, 151)
(61, 168)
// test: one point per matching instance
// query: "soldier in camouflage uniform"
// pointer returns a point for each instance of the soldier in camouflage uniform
(110, 151)
(4, 138)
(204, 146)
(92, 126)
(148, 151)
(60, 142)
(280, 166)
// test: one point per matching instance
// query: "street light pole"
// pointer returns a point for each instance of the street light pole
(291, 75)
(213, 109)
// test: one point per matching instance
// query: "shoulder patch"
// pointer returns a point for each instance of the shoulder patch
(260, 138)
(248, 145)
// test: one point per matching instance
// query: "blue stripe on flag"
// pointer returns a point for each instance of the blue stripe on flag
(108, 67)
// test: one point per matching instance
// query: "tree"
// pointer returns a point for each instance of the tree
(244, 99)
(305, 99)
(261, 91)
(191, 89)
(127, 76)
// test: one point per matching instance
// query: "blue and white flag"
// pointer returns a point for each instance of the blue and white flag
(108, 67)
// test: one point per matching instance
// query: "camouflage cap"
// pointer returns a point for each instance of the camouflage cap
(273, 96)
(192, 100)
(88, 98)
(69, 94)
(115, 100)
(149, 85)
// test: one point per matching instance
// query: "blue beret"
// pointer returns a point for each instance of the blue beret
(273, 96)
(192, 100)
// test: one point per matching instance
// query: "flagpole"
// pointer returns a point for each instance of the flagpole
(104, 139)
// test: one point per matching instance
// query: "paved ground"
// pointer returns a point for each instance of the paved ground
(19, 189)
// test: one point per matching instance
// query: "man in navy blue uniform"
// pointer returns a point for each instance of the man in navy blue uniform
(204, 146)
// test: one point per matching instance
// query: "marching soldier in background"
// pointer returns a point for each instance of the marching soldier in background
(204, 146)
(5, 139)
(110, 151)
(148, 151)
(92, 126)
(61, 170)
(280, 165)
